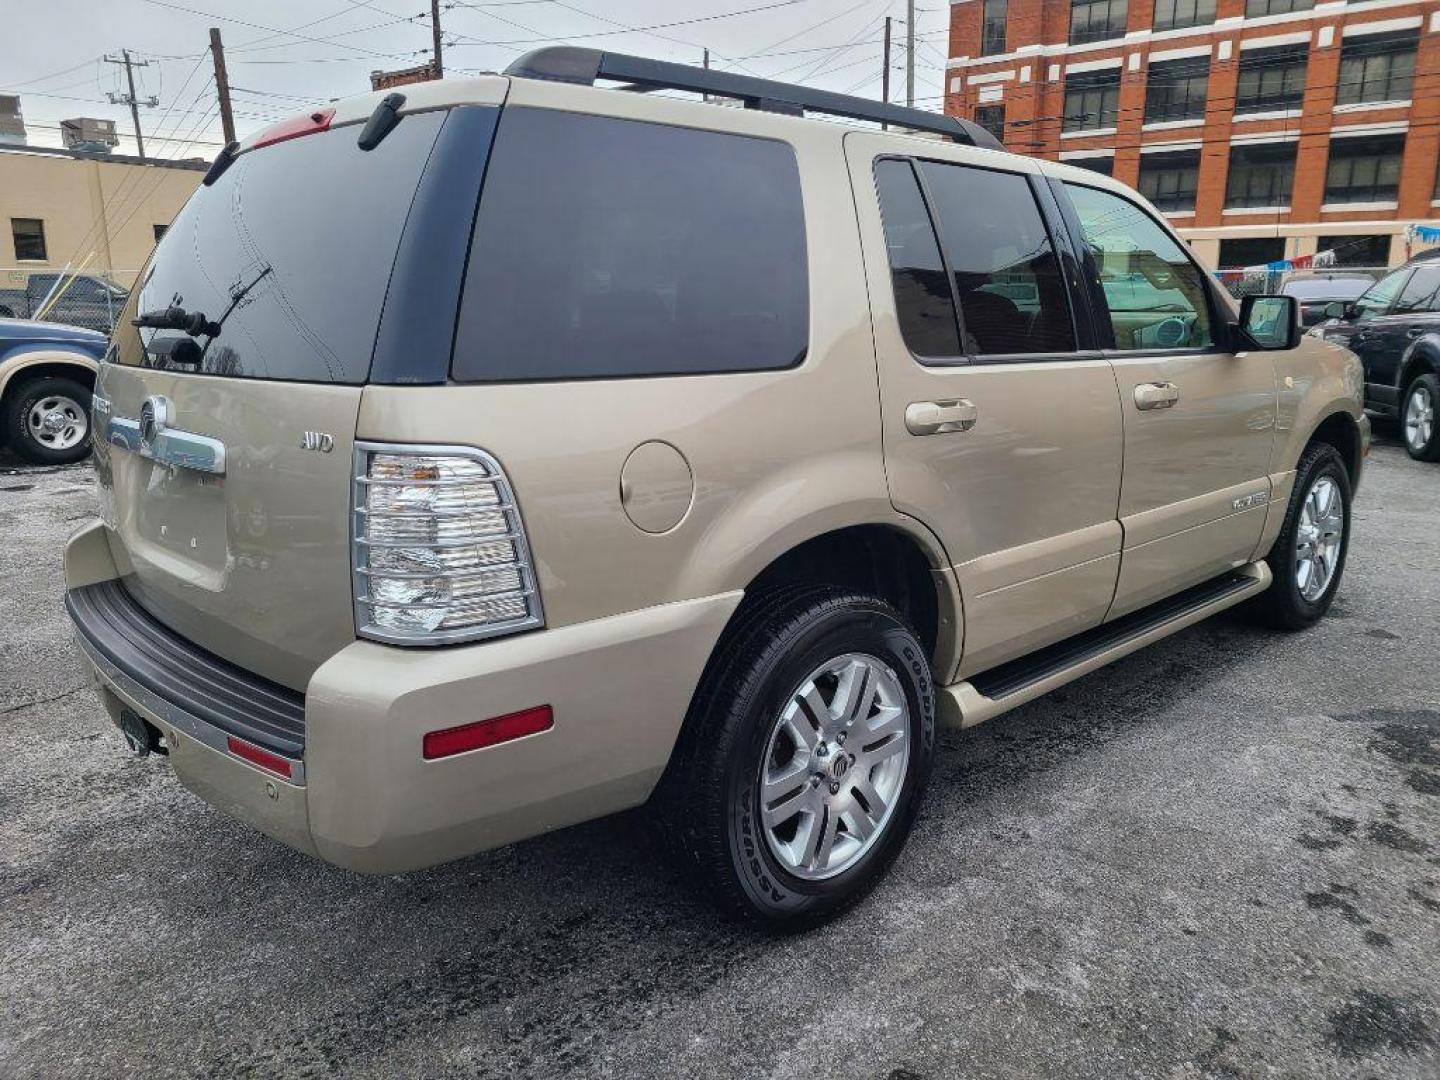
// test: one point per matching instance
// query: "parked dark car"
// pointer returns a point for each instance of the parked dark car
(86, 301)
(47, 375)
(1394, 327)
(1317, 293)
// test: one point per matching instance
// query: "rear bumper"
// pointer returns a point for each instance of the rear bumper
(365, 798)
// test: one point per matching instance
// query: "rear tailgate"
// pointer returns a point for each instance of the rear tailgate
(226, 478)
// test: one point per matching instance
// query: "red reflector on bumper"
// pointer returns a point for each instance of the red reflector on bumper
(482, 733)
(263, 758)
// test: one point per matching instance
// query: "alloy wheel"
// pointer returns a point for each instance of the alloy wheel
(1318, 538)
(1419, 418)
(834, 766)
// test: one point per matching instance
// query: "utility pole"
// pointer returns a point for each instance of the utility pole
(910, 54)
(437, 63)
(222, 86)
(130, 98)
(885, 72)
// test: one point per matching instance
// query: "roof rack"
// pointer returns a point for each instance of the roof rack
(572, 64)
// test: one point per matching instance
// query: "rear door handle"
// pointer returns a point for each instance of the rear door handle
(939, 417)
(1156, 395)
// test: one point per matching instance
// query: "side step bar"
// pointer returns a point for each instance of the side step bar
(1010, 685)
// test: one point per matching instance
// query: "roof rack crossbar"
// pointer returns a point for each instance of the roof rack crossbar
(572, 64)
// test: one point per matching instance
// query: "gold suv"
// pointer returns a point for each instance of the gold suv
(511, 451)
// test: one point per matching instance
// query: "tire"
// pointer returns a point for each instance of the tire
(1420, 419)
(34, 434)
(709, 805)
(1297, 598)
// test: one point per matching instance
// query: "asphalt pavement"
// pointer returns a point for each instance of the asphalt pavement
(1217, 858)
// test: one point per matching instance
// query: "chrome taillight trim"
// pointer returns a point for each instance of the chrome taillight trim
(360, 545)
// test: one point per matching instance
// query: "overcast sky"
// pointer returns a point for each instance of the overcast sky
(283, 56)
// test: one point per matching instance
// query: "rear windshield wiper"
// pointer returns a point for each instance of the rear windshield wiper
(193, 323)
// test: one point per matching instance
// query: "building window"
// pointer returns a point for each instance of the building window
(1092, 100)
(1256, 8)
(1364, 170)
(992, 119)
(1251, 251)
(1372, 250)
(1096, 20)
(1169, 180)
(1271, 79)
(1105, 165)
(1377, 67)
(1260, 175)
(1174, 14)
(1175, 90)
(29, 236)
(992, 27)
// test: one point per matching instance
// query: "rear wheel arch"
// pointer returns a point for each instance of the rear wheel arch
(16, 375)
(15, 371)
(880, 560)
(1424, 358)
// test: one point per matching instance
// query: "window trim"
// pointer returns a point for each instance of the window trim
(1033, 183)
(1219, 324)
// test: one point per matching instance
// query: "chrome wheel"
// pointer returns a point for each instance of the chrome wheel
(57, 422)
(1419, 418)
(834, 766)
(1318, 538)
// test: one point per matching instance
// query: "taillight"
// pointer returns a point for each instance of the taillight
(440, 554)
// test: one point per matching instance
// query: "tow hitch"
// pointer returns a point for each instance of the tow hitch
(141, 736)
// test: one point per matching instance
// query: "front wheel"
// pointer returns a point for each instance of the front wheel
(1308, 558)
(1417, 419)
(800, 769)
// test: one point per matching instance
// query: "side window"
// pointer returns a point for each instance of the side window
(1420, 292)
(1007, 278)
(607, 248)
(1155, 292)
(1376, 299)
(923, 303)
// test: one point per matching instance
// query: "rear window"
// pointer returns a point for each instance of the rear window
(295, 241)
(608, 248)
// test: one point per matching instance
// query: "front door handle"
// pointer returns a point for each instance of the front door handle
(1156, 395)
(938, 417)
(1415, 331)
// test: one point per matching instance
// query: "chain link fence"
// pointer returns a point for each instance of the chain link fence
(89, 299)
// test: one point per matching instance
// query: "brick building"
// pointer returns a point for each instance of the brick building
(1264, 129)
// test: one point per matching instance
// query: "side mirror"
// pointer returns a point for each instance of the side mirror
(1269, 323)
(1337, 309)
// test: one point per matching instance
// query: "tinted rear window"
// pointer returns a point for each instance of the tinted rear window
(304, 234)
(609, 247)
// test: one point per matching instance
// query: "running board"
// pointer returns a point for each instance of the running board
(1003, 688)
